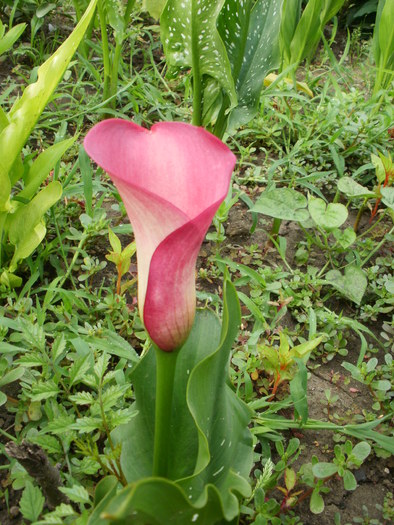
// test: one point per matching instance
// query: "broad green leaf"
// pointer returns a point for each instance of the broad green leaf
(159, 501)
(28, 244)
(9, 39)
(209, 448)
(384, 44)
(379, 167)
(352, 284)
(42, 165)
(328, 216)
(31, 502)
(154, 7)
(316, 503)
(291, 13)
(290, 479)
(388, 196)
(307, 29)
(27, 217)
(26, 110)
(298, 391)
(330, 9)
(361, 451)
(190, 39)
(349, 481)
(282, 203)
(251, 36)
(352, 189)
(114, 241)
(324, 470)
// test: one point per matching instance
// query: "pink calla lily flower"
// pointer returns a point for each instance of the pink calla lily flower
(172, 180)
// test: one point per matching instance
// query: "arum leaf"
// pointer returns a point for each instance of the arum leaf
(306, 31)
(282, 203)
(291, 13)
(251, 37)
(9, 39)
(209, 447)
(27, 217)
(27, 109)
(352, 284)
(42, 165)
(28, 244)
(328, 216)
(353, 189)
(154, 7)
(190, 39)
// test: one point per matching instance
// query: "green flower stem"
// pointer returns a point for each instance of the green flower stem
(165, 373)
(105, 48)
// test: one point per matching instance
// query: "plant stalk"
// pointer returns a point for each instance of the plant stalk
(165, 373)
(105, 48)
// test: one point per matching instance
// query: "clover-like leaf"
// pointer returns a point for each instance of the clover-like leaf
(282, 203)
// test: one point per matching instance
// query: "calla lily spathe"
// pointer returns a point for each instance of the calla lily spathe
(172, 180)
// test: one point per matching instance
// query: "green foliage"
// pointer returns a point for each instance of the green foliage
(300, 32)
(383, 45)
(22, 214)
(7, 40)
(208, 448)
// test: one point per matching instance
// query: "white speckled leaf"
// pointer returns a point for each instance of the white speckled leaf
(251, 37)
(189, 36)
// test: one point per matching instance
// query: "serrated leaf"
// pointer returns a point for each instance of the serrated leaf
(79, 368)
(76, 493)
(44, 390)
(87, 424)
(47, 442)
(82, 398)
(111, 395)
(31, 502)
(61, 424)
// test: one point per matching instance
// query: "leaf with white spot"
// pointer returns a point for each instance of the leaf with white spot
(191, 40)
(251, 36)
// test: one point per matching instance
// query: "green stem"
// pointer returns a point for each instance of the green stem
(165, 373)
(114, 74)
(275, 228)
(105, 48)
(359, 215)
(197, 80)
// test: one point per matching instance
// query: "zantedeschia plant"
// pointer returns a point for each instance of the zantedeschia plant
(188, 451)
(172, 180)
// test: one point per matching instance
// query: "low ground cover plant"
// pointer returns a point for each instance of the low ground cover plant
(196, 273)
